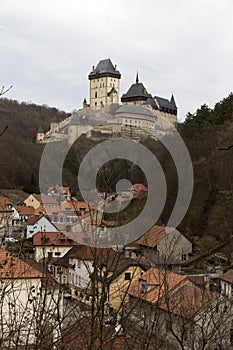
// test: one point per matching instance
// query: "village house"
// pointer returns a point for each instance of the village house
(41, 200)
(50, 245)
(61, 266)
(6, 213)
(60, 193)
(172, 306)
(21, 213)
(26, 290)
(115, 275)
(39, 223)
(165, 246)
(226, 283)
(81, 266)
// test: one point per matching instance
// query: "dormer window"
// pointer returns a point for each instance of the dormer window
(142, 286)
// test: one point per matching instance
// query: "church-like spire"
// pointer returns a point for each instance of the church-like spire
(137, 78)
(173, 103)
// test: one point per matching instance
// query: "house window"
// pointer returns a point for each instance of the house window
(183, 257)
(57, 253)
(127, 276)
(79, 264)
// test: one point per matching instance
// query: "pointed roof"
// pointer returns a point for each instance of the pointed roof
(173, 103)
(54, 120)
(104, 68)
(40, 130)
(135, 92)
(113, 91)
(165, 103)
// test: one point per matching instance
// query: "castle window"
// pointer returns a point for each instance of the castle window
(95, 103)
(96, 94)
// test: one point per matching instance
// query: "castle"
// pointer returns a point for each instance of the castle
(104, 90)
(134, 116)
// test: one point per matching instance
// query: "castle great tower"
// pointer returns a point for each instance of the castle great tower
(104, 84)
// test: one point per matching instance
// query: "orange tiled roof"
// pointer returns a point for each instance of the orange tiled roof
(52, 238)
(153, 236)
(74, 205)
(158, 283)
(189, 300)
(13, 267)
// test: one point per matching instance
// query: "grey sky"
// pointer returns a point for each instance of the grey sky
(49, 46)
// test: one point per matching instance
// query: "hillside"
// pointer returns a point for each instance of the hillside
(20, 156)
(207, 134)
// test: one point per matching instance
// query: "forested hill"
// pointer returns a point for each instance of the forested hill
(20, 156)
(207, 133)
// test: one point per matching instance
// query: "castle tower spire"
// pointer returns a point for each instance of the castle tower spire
(137, 78)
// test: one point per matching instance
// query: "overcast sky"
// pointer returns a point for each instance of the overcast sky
(49, 46)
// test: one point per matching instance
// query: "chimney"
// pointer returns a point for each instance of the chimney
(115, 67)
(93, 68)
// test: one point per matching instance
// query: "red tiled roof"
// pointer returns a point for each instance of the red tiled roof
(139, 188)
(78, 336)
(61, 189)
(4, 202)
(52, 238)
(33, 220)
(153, 236)
(45, 199)
(41, 210)
(25, 210)
(189, 300)
(13, 267)
(47, 277)
(227, 276)
(87, 253)
(158, 283)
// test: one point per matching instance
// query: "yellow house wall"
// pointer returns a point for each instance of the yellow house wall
(32, 201)
(119, 287)
(39, 136)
